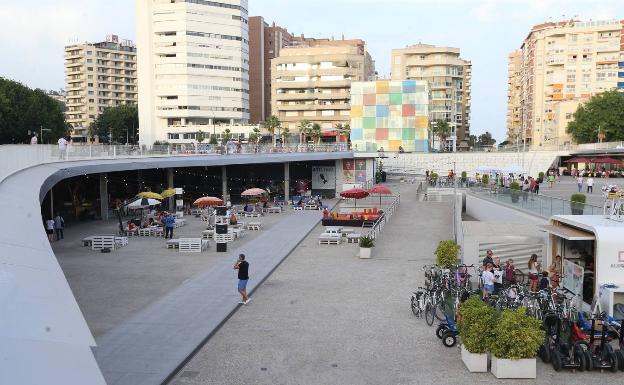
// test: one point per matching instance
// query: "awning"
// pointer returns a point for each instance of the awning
(330, 133)
(569, 233)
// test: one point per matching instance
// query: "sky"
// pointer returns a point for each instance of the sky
(35, 31)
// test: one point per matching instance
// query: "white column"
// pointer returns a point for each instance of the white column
(170, 185)
(286, 181)
(103, 196)
(224, 185)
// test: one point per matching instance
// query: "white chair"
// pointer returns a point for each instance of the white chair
(330, 239)
(254, 225)
(192, 245)
(99, 242)
(173, 243)
(353, 238)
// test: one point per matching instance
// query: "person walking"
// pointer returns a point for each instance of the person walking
(33, 140)
(59, 226)
(537, 185)
(62, 146)
(590, 185)
(551, 178)
(243, 276)
(49, 226)
(533, 273)
(579, 183)
(169, 225)
(488, 281)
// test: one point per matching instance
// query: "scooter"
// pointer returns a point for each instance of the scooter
(567, 355)
(448, 332)
(601, 355)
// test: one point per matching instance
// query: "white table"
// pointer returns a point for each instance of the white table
(253, 214)
(254, 225)
(273, 210)
(310, 207)
(208, 233)
(333, 229)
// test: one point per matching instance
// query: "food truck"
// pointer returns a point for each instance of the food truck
(592, 258)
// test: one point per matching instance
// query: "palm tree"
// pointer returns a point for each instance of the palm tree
(285, 135)
(315, 132)
(272, 123)
(344, 130)
(442, 130)
(227, 135)
(304, 129)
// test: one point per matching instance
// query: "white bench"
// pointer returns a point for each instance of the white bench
(353, 238)
(131, 233)
(192, 245)
(298, 208)
(254, 225)
(224, 238)
(330, 239)
(310, 207)
(121, 242)
(273, 210)
(253, 214)
(86, 241)
(173, 244)
(99, 242)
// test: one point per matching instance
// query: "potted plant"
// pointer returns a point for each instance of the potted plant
(366, 247)
(577, 203)
(540, 177)
(518, 338)
(464, 177)
(476, 321)
(447, 254)
(485, 180)
(434, 178)
(514, 190)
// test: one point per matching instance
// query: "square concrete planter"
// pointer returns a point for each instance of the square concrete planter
(475, 362)
(365, 252)
(524, 368)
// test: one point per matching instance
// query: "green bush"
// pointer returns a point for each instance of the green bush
(433, 176)
(477, 321)
(514, 186)
(367, 242)
(485, 180)
(578, 198)
(464, 175)
(577, 203)
(447, 253)
(518, 335)
(540, 175)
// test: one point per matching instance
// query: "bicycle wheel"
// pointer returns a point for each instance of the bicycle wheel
(519, 277)
(441, 330)
(429, 314)
(415, 308)
(439, 314)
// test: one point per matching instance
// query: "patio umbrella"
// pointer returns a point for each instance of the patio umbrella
(606, 160)
(381, 190)
(142, 203)
(487, 169)
(151, 195)
(514, 169)
(355, 193)
(168, 193)
(208, 201)
(578, 160)
(253, 192)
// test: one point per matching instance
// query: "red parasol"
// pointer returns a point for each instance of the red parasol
(606, 160)
(355, 193)
(381, 190)
(208, 201)
(252, 192)
(578, 160)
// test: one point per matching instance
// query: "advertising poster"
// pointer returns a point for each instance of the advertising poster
(323, 178)
(348, 171)
(360, 171)
(573, 280)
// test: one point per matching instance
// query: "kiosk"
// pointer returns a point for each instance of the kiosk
(592, 257)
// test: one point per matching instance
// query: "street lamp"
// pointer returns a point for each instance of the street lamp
(41, 129)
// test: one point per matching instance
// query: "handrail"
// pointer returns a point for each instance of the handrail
(379, 224)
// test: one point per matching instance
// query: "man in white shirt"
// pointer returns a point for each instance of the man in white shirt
(590, 185)
(579, 183)
(62, 145)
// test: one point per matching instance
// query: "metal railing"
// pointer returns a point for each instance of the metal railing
(542, 205)
(380, 223)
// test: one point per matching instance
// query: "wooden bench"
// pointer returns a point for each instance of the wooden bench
(86, 241)
(330, 239)
(310, 207)
(298, 208)
(173, 244)
(253, 215)
(121, 242)
(192, 245)
(99, 242)
(254, 225)
(353, 238)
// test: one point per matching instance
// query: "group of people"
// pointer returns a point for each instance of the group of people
(589, 182)
(54, 226)
(494, 275)
(160, 219)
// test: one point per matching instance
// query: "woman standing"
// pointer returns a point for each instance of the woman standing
(555, 272)
(49, 226)
(533, 273)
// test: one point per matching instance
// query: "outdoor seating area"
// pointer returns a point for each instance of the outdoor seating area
(334, 235)
(353, 218)
(100, 242)
(192, 245)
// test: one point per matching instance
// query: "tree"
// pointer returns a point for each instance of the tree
(304, 128)
(200, 136)
(442, 130)
(486, 140)
(472, 140)
(23, 109)
(227, 134)
(213, 139)
(272, 123)
(316, 133)
(603, 112)
(344, 130)
(285, 135)
(120, 121)
(256, 133)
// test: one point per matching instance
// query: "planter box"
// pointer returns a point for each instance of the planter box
(365, 252)
(525, 368)
(475, 362)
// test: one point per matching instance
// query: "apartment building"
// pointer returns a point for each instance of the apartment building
(98, 76)
(193, 62)
(515, 134)
(449, 77)
(311, 79)
(265, 43)
(562, 65)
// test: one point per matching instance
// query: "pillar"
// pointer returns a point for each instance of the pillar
(170, 185)
(103, 196)
(140, 180)
(224, 185)
(286, 181)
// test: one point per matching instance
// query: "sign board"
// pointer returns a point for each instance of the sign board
(573, 280)
(179, 203)
(360, 170)
(179, 191)
(348, 170)
(323, 178)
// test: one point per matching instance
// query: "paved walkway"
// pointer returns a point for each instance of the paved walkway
(151, 344)
(326, 317)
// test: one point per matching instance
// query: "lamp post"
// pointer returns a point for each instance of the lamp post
(41, 130)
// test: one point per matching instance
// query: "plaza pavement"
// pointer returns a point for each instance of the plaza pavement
(567, 186)
(327, 317)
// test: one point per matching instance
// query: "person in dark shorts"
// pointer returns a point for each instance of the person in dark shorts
(243, 276)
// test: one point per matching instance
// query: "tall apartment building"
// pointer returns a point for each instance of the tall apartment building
(562, 65)
(98, 76)
(311, 79)
(449, 78)
(515, 134)
(265, 43)
(193, 62)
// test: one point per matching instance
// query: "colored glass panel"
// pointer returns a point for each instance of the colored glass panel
(382, 111)
(409, 87)
(395, 134)
(356, 134)
(409, 110)
(356, 111)
(396, 99)
(369, 123)
(383, 87)
(370, 99)
(408, 134)
(370, 111)
(381, 133)
(394, 145)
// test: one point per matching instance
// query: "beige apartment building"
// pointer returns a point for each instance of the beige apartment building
(562, 64)
(515, 134)
(311, 79)
(449, 77)
(98, 76)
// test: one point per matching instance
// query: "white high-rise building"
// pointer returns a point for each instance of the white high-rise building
(193, 67)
